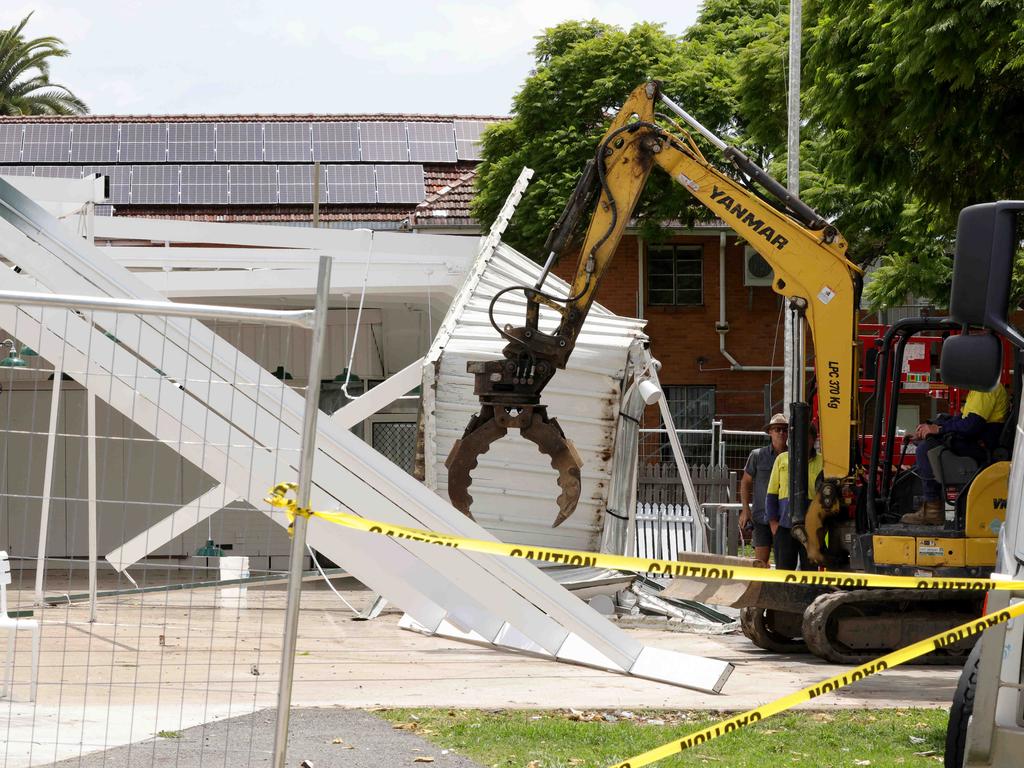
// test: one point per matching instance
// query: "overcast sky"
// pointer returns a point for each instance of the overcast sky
(220, 56)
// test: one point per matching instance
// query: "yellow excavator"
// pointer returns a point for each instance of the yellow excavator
(844, 527)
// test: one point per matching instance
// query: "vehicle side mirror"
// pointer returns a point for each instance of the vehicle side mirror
(972, 361)
(986, 245)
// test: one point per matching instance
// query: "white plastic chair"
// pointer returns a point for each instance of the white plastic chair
(12, 626)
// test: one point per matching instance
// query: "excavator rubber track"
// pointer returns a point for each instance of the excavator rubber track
(858, 626)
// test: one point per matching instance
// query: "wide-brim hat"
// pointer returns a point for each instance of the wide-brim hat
(779, 419)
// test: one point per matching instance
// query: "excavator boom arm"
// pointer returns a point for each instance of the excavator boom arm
(810, 267)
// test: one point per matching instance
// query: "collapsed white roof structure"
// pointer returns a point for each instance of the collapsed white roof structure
(506, 603)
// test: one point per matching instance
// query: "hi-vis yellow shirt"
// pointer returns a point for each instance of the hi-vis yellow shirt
(777, 503)
(992, 406)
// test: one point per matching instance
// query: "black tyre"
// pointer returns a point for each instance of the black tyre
(758, 626)
(960, 711)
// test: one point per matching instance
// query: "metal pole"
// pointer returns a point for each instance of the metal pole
(793, 132)
(90, 411)
(300, 317)
(44, 514)
(298, 550)
(316, 195)
(792, 389)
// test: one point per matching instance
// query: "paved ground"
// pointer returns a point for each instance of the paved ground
(321, 738)
(171, 661)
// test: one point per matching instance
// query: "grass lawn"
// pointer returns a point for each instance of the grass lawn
(570, 739)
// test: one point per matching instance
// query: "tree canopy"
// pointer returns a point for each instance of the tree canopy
(25, 86)
(584, 69)
(909, 115)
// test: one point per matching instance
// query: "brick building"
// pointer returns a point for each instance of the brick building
(676, 286)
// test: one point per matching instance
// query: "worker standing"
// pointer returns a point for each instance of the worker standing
(790, 554)
(754, 486)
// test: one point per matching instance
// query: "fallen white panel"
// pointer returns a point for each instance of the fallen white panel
(385, 393)
(168, 528)
(469, 590)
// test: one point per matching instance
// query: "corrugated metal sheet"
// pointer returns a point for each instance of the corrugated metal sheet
(514, 488)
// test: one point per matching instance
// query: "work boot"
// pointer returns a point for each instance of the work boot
(932, 512)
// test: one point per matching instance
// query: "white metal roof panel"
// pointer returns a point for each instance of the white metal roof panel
(514, 488)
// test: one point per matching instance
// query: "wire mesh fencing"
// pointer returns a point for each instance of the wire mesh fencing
(136, 453)
(735, 447)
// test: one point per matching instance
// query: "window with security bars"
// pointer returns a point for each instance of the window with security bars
(397, 441)
(692, 408)
(675, 275)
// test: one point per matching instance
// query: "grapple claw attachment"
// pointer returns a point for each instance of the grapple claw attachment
(491, 424)
(482, 430)
(549, 437)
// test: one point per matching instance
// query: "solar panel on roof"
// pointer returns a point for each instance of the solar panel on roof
(16, 170)
(204, 184)
(143, 143)
(191, 142)
(467, 138)
(383, 142)
(252, 184)
(94, 143)
(154, 184)
(336, 142)
(400, 184)
(240, 142)
(350, 184)
(296, 183)
(58, 171)
(11, 137)
(287, 142)
(46, 143)
(432, 142)
(120, 180)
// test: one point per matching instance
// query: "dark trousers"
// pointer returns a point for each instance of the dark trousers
(932, 491)
(790, 554)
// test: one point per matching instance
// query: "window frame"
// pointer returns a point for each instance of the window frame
(681, 253)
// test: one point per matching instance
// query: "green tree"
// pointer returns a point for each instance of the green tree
(583, 71)
(921, 102)
(25, 87)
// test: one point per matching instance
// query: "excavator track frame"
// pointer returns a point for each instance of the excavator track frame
(838, 615)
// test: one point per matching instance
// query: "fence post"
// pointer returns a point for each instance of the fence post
(717, 444)
(298, 550)
(732, 526)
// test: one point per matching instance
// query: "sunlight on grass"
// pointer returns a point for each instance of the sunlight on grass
(568, 739)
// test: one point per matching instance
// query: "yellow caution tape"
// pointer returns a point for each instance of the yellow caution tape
(278, 498)
(882, 663)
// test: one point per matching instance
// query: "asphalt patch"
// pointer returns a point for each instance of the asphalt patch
(323, 738)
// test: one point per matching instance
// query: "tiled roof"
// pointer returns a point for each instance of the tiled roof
(449, 195)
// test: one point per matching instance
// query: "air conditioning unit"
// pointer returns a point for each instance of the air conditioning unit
(756, 271)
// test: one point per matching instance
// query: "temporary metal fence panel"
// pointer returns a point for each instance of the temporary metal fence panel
(735, 447)
(91, 461)
(713, 446)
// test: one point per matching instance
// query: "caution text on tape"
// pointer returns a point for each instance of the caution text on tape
(882, 663)
(679, 568)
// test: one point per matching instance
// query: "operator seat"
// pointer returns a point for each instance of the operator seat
(975, 362)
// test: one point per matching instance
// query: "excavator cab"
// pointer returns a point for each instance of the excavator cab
(973, 485)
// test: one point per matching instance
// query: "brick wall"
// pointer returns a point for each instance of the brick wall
(682, 335)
